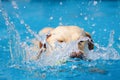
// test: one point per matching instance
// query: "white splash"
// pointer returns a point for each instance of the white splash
(105, 53)
(19, 49)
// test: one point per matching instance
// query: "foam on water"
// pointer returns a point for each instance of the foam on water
(19, 49)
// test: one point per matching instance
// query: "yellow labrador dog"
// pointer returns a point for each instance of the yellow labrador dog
(65, 34)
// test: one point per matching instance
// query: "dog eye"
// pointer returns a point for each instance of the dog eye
(60, 41)
(44, 45)
(48, 35)
(81, 41)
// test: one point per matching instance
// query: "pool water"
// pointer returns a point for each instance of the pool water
(20, 21)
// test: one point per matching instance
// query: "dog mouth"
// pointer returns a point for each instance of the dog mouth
(79, 54)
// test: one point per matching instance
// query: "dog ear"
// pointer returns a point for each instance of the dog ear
(87, 34)
(90, 42)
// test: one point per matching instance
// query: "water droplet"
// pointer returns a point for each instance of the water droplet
(26, 31)
(51, 18)
(22, 21)
(60, 23)
(81, 14)
(119, 38)
(26, 25)
(27, 37)
(93, 32)
(60, 18)
(105, 30)
(4, 47)
(82, 2)
(118, 46)
(95, 3)
(92, 18)
(93, 25)
(85, 18)
(12, 23)
(14, 5)
(17, 15)
(24, 7)
(61, 3)
(7, 23)
(74, 66)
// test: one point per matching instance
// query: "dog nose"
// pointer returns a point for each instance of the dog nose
(79, 54)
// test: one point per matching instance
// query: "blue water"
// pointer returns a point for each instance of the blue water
(99, 18)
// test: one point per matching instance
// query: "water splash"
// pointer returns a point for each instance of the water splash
(16, 8)
(14, 38)
(105, 53)
(19, 49)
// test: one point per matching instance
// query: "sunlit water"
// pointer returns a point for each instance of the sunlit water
(21, 21)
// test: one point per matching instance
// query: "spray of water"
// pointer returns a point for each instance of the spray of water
(105, 53)
(14, 38)
(21, 51)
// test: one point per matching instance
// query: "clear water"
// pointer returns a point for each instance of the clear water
(20, 21)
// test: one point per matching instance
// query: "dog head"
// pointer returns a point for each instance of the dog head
(85, 43)
(63, 35)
